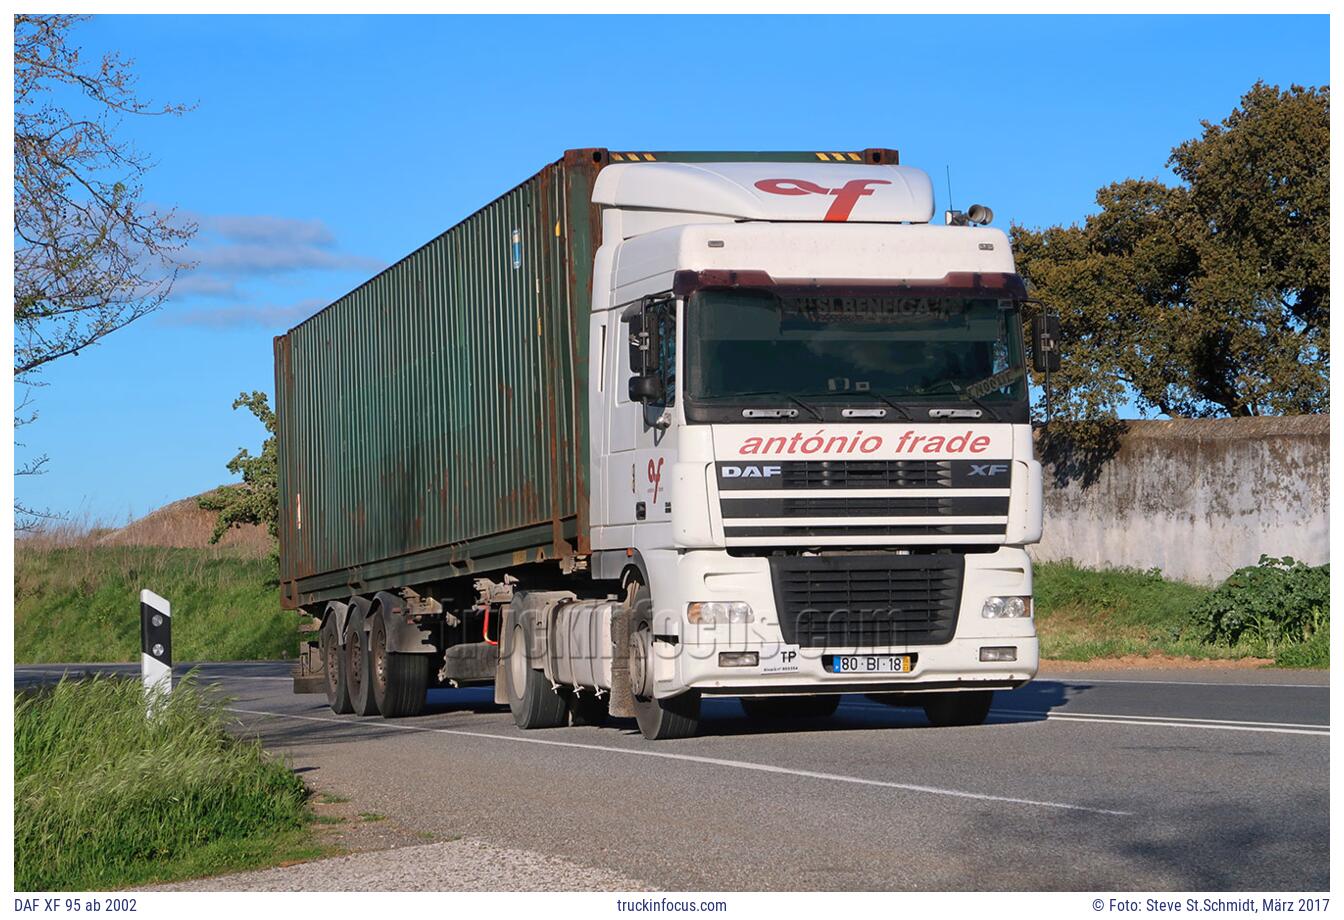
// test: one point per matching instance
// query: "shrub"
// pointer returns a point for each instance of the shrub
(1276, 601)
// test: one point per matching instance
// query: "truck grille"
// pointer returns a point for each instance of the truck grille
(867, 601)
(867, 474)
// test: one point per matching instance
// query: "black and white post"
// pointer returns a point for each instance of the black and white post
(156, 646)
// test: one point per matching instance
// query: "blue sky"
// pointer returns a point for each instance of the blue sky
(322, 148)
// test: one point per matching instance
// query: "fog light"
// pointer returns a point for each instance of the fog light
(719, 612)
(739, 659)
(1003, 607)
(998, 653)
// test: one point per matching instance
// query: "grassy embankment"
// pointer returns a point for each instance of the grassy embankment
(1083, 615)
(77, 589)
(104, 798)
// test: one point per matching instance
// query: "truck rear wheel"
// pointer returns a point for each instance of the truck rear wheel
(357, 662)
(532, 701)
(334, 675)
(965, 707)
(659, 720)
(399, 679)
(789, 707)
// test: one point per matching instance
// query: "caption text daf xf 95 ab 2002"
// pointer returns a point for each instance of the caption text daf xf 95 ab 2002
(656, 426)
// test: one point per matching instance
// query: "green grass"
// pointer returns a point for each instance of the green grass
(81, 603)
(105, 798)
(1082, 614)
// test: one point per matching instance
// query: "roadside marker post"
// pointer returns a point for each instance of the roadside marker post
(156, 646)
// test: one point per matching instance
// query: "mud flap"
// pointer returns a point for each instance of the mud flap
(622, 700)
(505, 636)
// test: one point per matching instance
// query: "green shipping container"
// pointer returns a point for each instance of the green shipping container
(432, 423)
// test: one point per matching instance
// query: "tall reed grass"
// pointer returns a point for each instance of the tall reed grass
(104, 797)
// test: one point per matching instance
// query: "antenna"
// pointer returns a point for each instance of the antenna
(949, 186)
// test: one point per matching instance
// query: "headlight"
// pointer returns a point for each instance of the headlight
(719, 612)
(997, 607)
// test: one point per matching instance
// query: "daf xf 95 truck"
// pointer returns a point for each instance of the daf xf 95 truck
(657, 426)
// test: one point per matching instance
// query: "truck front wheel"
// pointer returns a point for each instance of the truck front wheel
(659, 720)
(965, 707)
(399, 679)
(334, 675)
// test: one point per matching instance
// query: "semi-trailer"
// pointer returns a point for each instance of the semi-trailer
(655, 426)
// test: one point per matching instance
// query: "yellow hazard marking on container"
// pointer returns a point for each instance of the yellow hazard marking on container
(822, 156)
(854, 156)
(838, 156)
(616, 156)
(649, 157)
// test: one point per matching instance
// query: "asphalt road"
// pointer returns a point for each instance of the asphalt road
(1091, 781)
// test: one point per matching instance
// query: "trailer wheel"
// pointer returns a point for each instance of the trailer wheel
(769, 708)
(334, 675)
(531, 700)
(399, 679)
(357, 662)
(966, 707)
(659, 720)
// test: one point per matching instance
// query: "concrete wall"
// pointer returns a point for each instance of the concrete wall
(1196, 498)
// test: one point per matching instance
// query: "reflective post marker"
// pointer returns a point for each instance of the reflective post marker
(156, 645)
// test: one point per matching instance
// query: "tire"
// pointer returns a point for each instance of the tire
(334, 675)
(399, 679)
(965, 707)
(768, 708)
(586, 708)
(531, 700)
(357, 663)
(659, 720)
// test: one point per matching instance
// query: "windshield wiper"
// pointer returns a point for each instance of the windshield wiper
(793, 399)
(886, 399)
(960, 394)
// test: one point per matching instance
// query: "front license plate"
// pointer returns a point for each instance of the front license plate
(867, 664)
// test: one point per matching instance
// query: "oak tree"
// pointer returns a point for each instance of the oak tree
(1205, 297)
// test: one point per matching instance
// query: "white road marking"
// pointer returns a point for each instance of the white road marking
(1160, 722)
(1129, 715)
(692, 758)
(1273, 728)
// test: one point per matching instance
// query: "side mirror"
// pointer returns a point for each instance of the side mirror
(646, 388)
(1045, 343)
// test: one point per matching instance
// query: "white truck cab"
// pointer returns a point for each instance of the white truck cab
(810, 436)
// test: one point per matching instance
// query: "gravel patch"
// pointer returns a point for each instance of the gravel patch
(458, 865)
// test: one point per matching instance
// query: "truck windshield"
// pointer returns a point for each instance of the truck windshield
(761, 345)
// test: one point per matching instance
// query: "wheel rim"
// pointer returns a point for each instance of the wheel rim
(331, 664)
(518, 661)
(355, 657)
(639, 658)
(379, 657)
